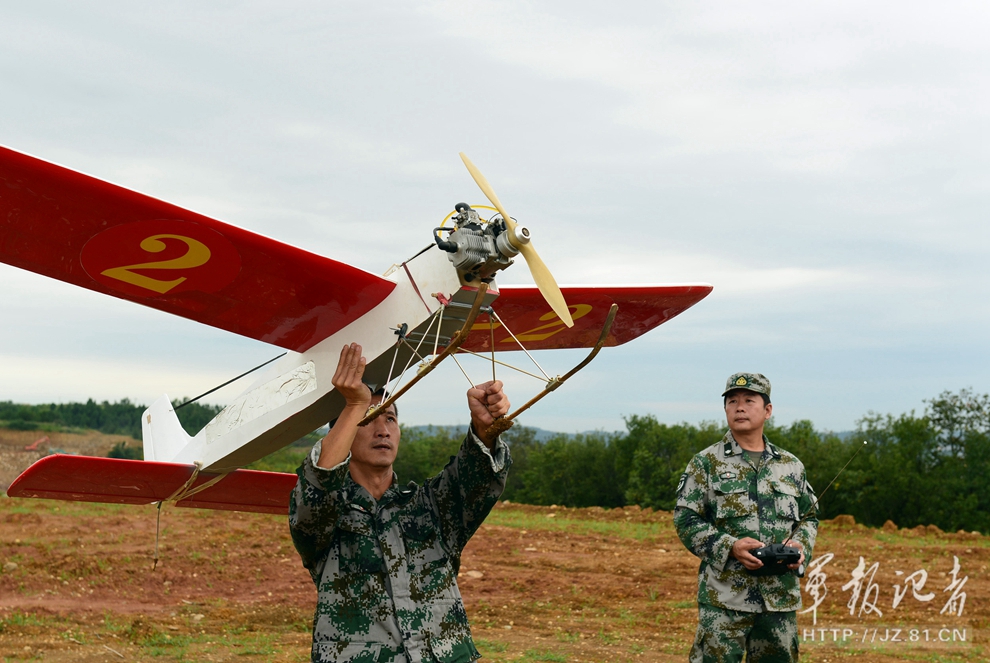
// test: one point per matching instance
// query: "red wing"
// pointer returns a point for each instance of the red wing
(78, 229)
(117, 481)
(524, 311)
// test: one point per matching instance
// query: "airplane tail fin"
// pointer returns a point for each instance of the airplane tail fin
(163, 435)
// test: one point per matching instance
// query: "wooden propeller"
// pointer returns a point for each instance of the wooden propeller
(541, 274)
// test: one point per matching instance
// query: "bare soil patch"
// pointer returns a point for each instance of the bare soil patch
(15, 457)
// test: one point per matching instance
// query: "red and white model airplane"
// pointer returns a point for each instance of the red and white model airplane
(81, 230)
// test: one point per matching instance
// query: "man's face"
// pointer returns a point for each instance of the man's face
(377, 443)
(745, 411)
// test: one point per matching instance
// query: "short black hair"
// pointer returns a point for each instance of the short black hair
(725, 399)
(381, 392)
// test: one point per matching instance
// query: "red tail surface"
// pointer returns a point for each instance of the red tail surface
(118, 481)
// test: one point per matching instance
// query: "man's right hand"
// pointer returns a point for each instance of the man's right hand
(740, 550)
(347, 379)
(357, 398)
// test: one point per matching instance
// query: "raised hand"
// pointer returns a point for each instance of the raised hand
(487, 402)
(347, 378)
(357, 398)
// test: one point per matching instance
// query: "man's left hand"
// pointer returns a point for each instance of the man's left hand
(794, 544)
(487, 402)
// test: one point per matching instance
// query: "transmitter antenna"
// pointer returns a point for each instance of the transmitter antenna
(814, 506)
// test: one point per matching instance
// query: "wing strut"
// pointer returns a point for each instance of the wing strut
(455, 341)
(505, 423)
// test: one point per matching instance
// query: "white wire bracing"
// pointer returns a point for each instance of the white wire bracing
(470, 381)
(438, 315)
(436, 339)
(438, 319)
(500, 363)
(523, 347)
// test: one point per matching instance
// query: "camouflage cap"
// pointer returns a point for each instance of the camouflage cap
(750, 381)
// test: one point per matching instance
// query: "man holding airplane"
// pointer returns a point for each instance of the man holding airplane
(385, 557)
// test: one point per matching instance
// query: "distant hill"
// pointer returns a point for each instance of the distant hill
(542, 435)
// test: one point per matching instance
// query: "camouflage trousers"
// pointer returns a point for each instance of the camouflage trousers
(725, 635)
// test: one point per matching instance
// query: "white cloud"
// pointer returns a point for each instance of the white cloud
(809, 88)
(64, 379)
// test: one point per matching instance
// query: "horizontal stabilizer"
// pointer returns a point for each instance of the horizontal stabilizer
(118, 481)
(526, 314)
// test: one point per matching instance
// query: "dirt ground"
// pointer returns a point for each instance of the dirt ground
(540, 584)
(15, 457)
(77, 584)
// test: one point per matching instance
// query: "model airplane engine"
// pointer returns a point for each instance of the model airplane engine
(478, 249)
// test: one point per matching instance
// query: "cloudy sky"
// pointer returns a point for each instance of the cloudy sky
(823, 165)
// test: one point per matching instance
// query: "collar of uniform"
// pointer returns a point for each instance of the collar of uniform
(357, 496)
(396, 493)
(731, 448)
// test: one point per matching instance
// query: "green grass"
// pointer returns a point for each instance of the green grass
(256, 645)
(561, 523)
(487, 646)
(162, 644)
(43, 426)
(21, 619)
(899, 538)
(287, 460)
(81, 509)
(543, 655)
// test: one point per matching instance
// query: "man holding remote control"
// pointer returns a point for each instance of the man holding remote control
(735, 500)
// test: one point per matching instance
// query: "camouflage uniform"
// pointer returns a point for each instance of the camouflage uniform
(723, 497)
(386, 571)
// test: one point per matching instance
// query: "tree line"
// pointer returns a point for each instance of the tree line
(916, 469)
(931, 468)
(120, 418)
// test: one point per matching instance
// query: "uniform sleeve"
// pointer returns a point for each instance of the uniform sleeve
(315, 506)
(808, 532)
(692, 517)
(464, 491)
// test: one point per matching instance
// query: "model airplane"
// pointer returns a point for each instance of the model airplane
(81, 230)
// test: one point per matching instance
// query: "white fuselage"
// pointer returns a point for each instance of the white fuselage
(294, 396)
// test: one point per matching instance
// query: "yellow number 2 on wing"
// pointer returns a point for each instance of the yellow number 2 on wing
(544, 332)
(196, 254)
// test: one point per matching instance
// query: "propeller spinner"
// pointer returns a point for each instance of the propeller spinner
(541, 274)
